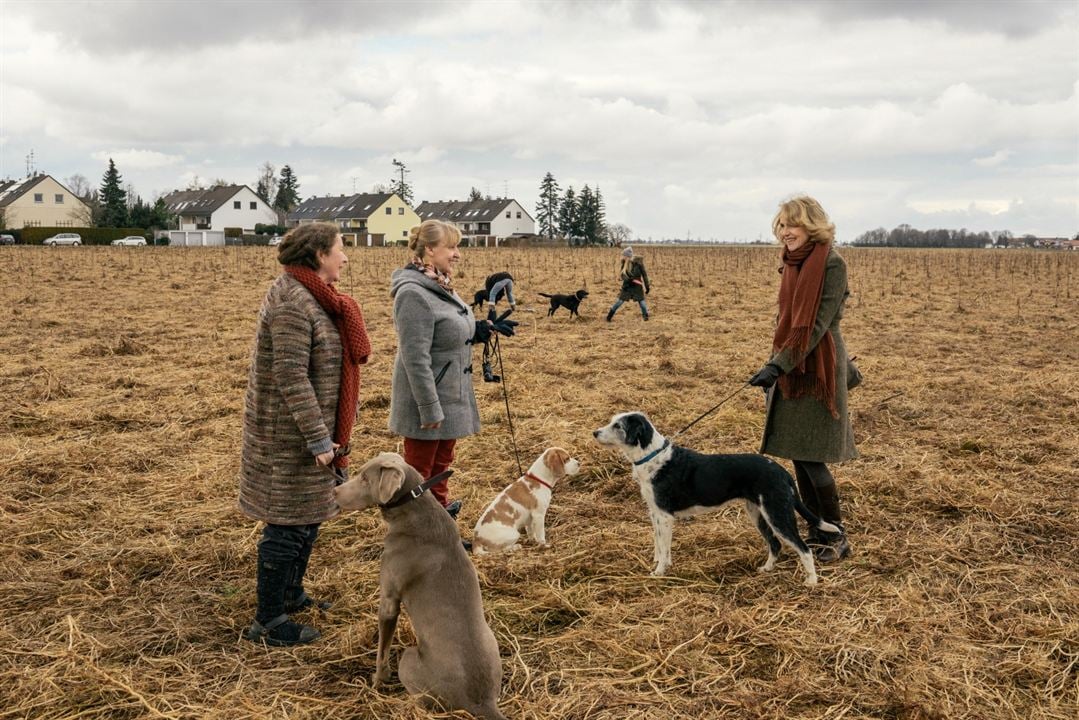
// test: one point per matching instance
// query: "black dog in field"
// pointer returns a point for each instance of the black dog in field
(570, 302)
(481, 297)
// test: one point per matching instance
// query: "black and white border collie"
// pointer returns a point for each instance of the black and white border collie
(679, 483)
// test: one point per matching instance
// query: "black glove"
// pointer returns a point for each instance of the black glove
(483, 332)
(500, 324)
(766, 377)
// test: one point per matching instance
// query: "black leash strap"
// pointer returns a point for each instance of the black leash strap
(418, 490)
(709, 411)
(506, 397)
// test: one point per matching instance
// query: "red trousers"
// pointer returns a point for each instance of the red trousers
(430, 457)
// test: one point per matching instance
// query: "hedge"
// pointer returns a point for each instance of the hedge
(90, 236)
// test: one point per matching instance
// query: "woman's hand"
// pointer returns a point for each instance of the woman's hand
(431, 426)
(766, 377)
(324, 459)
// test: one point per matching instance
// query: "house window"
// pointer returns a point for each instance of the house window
(518, 216)
(236, 205)
(400, 211)
(59, 198)
(507, 215)
(404, 233)
(389, 211)
(39, 197)
(254, 206)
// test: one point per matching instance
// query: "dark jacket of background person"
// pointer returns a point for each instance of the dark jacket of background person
(804, 429)
(634, 270)
(291, 405)
(432, 373)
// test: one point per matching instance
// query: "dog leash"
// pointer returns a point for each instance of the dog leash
(709, 411)
(506, 397)
(418, 490)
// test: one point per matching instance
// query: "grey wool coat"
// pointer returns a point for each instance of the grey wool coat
(290, 409)
(432, 373)
(803, 429)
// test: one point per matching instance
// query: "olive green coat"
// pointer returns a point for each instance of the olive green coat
(803, 429)
(632, 276)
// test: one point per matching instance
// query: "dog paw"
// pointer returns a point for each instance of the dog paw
(659, 572)
(381, 677)
(810, 582)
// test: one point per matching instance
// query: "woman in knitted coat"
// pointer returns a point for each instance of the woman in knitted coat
(635, 283)
(806, 378)
(300, 406)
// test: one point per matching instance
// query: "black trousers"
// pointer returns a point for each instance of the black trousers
(283, 554)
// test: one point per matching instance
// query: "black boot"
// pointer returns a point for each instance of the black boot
(610, 314)
(834, 546)
(296, 599)
(278, 551)
(808, 493)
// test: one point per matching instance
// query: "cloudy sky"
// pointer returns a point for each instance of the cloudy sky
(693, 118)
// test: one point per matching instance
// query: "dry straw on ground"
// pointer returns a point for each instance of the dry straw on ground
(128, 576)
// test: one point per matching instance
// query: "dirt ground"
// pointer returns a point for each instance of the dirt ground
(127, 574)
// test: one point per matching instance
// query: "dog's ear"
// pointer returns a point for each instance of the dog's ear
(638, 430)
(556, 459)
(390, 478)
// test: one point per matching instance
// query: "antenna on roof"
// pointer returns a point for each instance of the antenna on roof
(30, 169)
(506, 189)
(354, 185)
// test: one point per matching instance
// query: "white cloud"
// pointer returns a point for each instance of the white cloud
(138, 159)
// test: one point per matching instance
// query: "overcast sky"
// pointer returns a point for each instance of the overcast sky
(692, 118)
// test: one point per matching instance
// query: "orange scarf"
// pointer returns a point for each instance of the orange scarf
(799, 300)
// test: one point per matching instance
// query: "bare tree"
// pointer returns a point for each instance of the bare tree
(79, 186)
(618, 233)
(266, 185)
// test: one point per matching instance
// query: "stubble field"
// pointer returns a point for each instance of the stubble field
(127, 574)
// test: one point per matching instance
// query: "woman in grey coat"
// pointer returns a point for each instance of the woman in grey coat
(807, 419)
(433, 403)
(635, 283)
(300, 405)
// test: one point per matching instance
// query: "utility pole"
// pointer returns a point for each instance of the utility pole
(401, 167)
(354, 184)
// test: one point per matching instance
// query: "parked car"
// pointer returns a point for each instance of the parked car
(64, 239)
(275, 240)
(7, 239)
(130, 240)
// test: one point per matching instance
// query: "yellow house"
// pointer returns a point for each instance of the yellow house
(40, 201)
(367, 219)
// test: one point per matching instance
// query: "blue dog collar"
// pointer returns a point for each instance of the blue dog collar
(649, 456)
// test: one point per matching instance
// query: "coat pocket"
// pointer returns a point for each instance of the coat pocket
(448, 383)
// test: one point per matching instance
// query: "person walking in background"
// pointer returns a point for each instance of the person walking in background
(635, 283)
(807, 419)
(302, 395)
(433, 403)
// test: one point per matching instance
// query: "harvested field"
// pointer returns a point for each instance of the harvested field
(128, 575)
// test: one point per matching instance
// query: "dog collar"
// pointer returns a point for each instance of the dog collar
(666, 444)
(418, 490)
(530, 476)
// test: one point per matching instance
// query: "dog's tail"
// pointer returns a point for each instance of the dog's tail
(546, 295)
(815, 521)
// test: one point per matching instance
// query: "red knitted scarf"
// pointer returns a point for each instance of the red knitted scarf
(799, 301)
(346, 315)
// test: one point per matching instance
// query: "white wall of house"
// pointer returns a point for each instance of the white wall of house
(518, 221)
(252, 210)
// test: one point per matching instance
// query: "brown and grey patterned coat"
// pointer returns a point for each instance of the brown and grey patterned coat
(803, 429)
(290, 409)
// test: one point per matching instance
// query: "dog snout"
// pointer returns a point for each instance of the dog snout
(595, 433)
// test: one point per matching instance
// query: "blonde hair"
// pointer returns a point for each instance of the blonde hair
(803, 211)
(432, 233)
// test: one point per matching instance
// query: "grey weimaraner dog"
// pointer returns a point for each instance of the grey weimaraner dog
(455, 663)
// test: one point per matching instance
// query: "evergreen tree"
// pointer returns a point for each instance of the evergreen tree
(113, 198)
(601, 218)
(547, 208)
(567, 215)
(474, 194)
(399, 185)
(586, 215)
(288, 191)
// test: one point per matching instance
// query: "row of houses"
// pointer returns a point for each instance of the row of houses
(367, 219)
